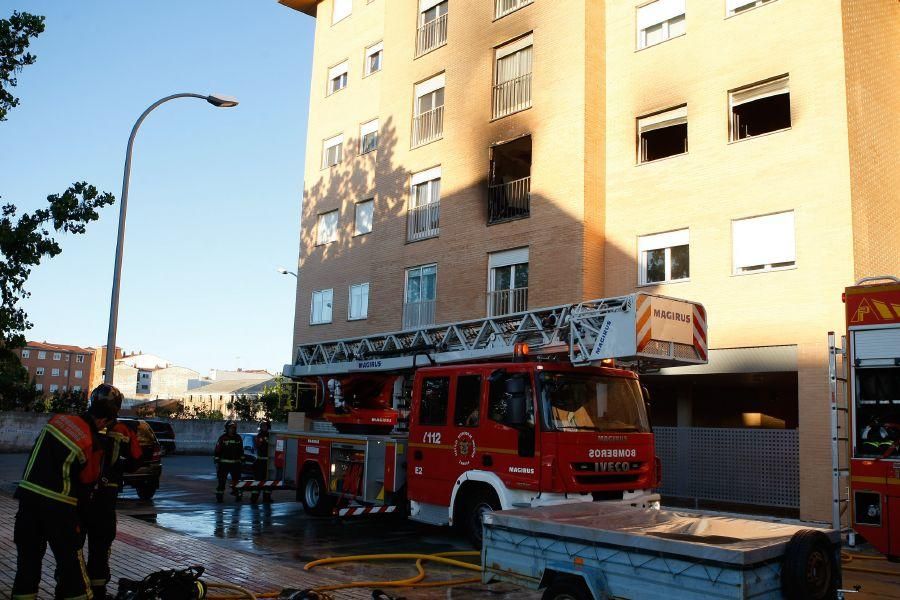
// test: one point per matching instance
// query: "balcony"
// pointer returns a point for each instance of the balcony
(423, 221)
(431, 35)
(505, 302)
(504, 7)
(428, 126)
(512, 96)
(510, 200)
(418, 314)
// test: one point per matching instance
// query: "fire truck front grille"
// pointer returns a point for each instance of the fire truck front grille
(606, 478)
(594, 473)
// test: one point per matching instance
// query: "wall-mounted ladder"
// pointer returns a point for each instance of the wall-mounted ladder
(840, 432)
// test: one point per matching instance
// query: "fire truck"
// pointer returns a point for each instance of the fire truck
(872, 360)
(445, 423)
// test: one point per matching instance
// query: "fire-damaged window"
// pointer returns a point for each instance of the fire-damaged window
(509, 186)
(433, 408)
(662, 134)
(760, 108)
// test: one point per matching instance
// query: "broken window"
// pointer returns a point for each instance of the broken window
(663, 134)
(760, 109)
(509, 185)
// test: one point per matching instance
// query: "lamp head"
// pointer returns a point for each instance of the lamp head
(220, 101)
(283, 271)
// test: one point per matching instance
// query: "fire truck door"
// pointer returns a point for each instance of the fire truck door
(508, 445)
(429, 444)
(465, 437)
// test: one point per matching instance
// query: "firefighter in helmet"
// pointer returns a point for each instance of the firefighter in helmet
(261, 466)
(228, 457)
(62, 470)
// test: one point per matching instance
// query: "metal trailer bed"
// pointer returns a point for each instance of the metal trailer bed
(611, 551)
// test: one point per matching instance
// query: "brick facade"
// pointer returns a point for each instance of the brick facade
(73, 364)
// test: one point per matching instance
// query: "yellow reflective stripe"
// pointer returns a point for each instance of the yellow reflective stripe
(34, 453)
(84, 576)
(66, 472)
(62, 438)
(98, 582)
(37, 489)
(24, 596)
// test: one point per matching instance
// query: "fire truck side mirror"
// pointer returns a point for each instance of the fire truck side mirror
(515, 392)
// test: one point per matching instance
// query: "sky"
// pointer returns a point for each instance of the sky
(214, 200)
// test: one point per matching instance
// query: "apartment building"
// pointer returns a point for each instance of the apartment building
(473, 157)
(57, 368)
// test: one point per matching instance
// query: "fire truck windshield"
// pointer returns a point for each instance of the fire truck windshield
(576, 402)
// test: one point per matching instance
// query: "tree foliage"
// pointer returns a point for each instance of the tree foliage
(15, 36)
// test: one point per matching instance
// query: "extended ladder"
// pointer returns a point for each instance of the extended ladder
(840, 431)
(640, 329)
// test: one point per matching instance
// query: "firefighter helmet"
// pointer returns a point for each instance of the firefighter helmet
(106, 400)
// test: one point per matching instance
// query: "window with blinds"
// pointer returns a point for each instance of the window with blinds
(664, 257)
(320, 309)
(337, 77)
(662, 134)
(365, 211)
(764, 243)
(660, 21)
(358, 307)
(512, 76)
(332, 151)
(373, 58)
(760, 108)
(326, 227)
(342, 10)
(735, 7)
(368, 136)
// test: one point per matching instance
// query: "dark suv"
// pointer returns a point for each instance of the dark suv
(164, 434)
(144, 479)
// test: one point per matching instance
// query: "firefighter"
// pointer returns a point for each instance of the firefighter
(228, 457)
(122, 453)
(261, 466)
(64, 466)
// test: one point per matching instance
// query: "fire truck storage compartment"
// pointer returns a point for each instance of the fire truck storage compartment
(357, 469)
(876, 358)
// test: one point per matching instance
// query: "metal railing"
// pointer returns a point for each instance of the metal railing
(423, 221)
(428, 126)
(507, 302)
(512, 96)
(504, 7)
(418, 314)
(431, 35)
(510, 200)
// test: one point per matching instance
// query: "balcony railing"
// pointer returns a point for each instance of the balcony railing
(428, 126)
(504, 7)
(431, 35)
(418, 314)
(511, 200)
(512, 96)
(423, 221)
(504, 302)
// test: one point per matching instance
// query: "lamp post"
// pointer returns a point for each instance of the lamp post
(284, 271)
(217, 101)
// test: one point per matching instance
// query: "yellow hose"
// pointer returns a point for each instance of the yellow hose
(848, 557)
(244, 592)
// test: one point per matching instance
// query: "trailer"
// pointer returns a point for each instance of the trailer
(601, 551)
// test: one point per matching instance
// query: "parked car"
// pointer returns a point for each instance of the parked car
(144, 479)
(249, 440)
(164, 434)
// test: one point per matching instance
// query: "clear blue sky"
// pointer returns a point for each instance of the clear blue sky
(215, 194)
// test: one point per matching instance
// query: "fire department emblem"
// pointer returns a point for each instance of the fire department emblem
(464, 448)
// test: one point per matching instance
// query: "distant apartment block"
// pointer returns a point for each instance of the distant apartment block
(58, 368)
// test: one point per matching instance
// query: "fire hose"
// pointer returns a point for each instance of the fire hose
(848, 557)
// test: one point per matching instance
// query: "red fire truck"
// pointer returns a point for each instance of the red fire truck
(873, 361)
(452, 421)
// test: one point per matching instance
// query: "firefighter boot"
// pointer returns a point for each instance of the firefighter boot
(267, 497)
(254, 497)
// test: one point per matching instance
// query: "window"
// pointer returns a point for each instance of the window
(738, 6)
(508, 282)
(423, 216)
(662, 134)
(26, 353)
(659, 21)
(79, 358)
(76, 388)
(421, 291)
(468, 401)
(428, 120)
(53, 388)
(321, 307)
(504, 7)
(364, 212)
(42, 355)
(512, 77)
(499, 394)
(433, 407)
(79, 374)
(509, 183)
(368, 136)
(342, 10)
(664, 257)
(760, 108)
(432, 31)
(39, 387)
(57, 356)
(326, 228)
(54, 372)
(39, 371)
(374, 54)
(359, 302)
(145, 375)
(332, 151)
(337, 77)
(763, 243)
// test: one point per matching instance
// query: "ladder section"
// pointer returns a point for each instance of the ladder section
(840, 432)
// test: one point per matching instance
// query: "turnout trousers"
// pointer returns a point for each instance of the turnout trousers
(223, 470)
(100, 522)
(260, 471)
(39, 523)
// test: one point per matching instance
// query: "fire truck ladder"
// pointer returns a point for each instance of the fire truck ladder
(840, 432)
(583, 331)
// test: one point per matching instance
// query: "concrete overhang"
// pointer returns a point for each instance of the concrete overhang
(304, 6)
(759, 359)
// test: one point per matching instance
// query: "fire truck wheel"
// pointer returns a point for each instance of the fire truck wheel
(567, 588)
(314, 495)
(809, 569)
(477, 504)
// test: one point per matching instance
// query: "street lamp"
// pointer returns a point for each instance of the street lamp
(216, 100)
(284, 271)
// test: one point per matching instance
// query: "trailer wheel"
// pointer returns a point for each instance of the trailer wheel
(809, 570)
(479, 503)
(568, 588)
(314, 495)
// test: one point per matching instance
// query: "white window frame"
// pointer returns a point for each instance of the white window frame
(42, 355)
(420, 269)
(340, 10)
(57, 356)
(39, 387)
(662, 241)
(370, 52)
(774, 253)
(26, 353)
(76, 388)
(356, 214)
(54, 372)
(429, 86)
(363, 289)
(506, 258)
(322, 295)
(368, 128)
(39, 371)
(660, 120)
(326, 233)
(79, 374)
(332, 142)
(659, 13)
(738, 7)
(79, 358)
(340, 73)
(53, 388)
(750, 93)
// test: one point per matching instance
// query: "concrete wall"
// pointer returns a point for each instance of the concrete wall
(19, 430)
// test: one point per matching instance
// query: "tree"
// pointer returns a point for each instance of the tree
(27, 239)
(277, 399)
